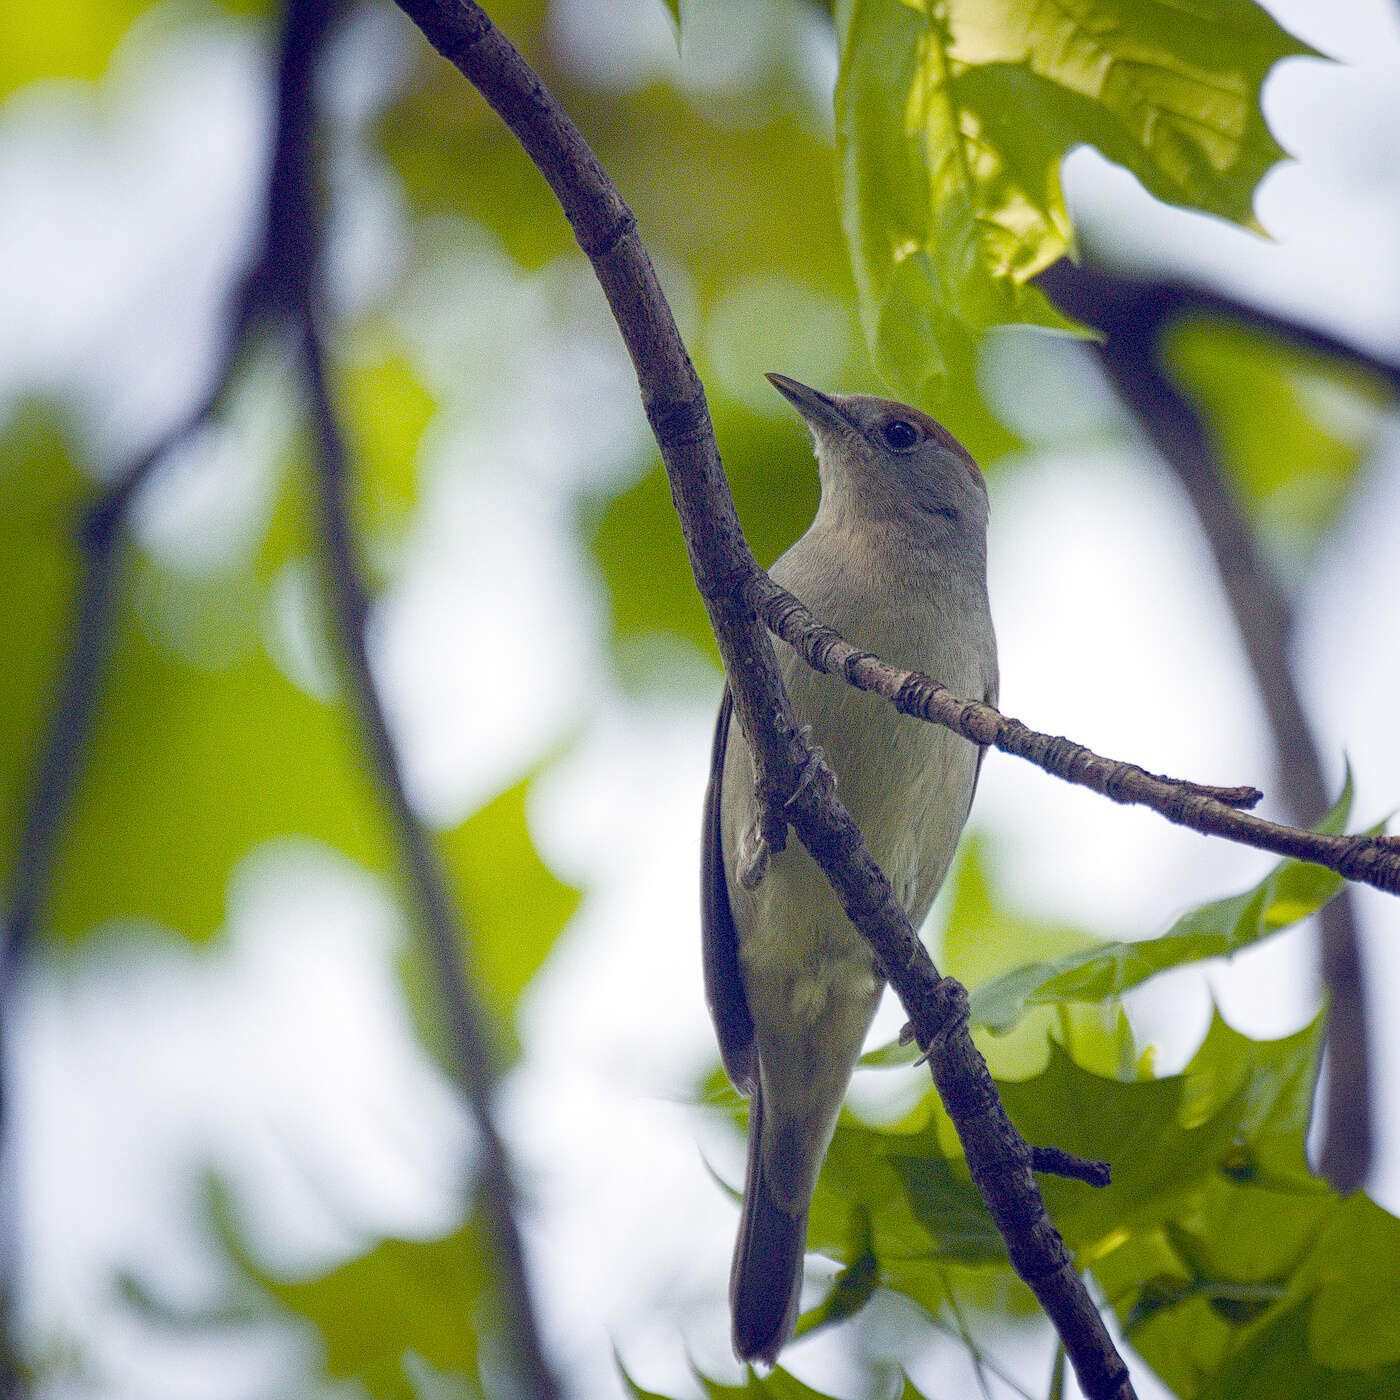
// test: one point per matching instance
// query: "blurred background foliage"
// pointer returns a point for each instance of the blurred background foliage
(873, 243)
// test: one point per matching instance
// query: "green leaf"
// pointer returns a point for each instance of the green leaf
(1277, 1362)
(72, 41)
(851, 1289)
(952, 121)
(399, 1319)
(201, 748)
(638, 543)
(776, 1385)
(1293, 427)
(514, 906)
(76, 40)
(385, 410)
(189, 767)
(1354, 1262)
(1290, 892)
(897, 1195)
(395, 1315)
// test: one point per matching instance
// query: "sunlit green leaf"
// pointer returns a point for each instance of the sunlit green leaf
(1355, 1262)
(75, 40)
(1290, 892)
(1213, 1221)
(952, 121)
(777, 1384)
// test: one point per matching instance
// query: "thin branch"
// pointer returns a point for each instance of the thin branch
(998, 1157)
(1051, 1161)
(442, 926)
(1130, 306)
(1132, 317)
(58, 766)
(1213, 811)
(293, 279)
(280, 283)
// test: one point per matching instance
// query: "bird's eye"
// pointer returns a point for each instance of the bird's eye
(900, 435)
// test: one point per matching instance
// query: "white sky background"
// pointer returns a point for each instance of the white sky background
(135, 1069)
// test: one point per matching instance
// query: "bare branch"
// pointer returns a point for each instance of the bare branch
(1132, 317)
(998, 1157)
(294, 282)
(1053, 1162)
(473, 1058)
(1211, 810)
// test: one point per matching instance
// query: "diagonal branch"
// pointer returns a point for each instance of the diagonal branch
(292, 283)
(998, 1157)
(473, 1057)
(1132, 317)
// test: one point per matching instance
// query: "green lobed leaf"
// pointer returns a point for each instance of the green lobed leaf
(1210, 1224)
(777, 1384)
(1354, 1262)
(1290, 892)
(952, 121)
(1277, 1362)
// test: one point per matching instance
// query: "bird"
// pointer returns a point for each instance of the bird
(895, 559)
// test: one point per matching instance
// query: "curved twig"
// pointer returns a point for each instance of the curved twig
(998, 1157)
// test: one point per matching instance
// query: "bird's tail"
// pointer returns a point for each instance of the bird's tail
(766, 1278)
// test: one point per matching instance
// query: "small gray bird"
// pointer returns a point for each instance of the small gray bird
(896, 561)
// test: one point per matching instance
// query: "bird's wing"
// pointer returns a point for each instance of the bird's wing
(724, 983)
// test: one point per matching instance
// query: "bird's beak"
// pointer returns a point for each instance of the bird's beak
(817, 408)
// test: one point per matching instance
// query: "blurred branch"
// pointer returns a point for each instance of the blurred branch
(100, 533)
(998, 1157)
(442, 926)
(278, 287)
(1131, 317)
(293, 282)
(1127, 307)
